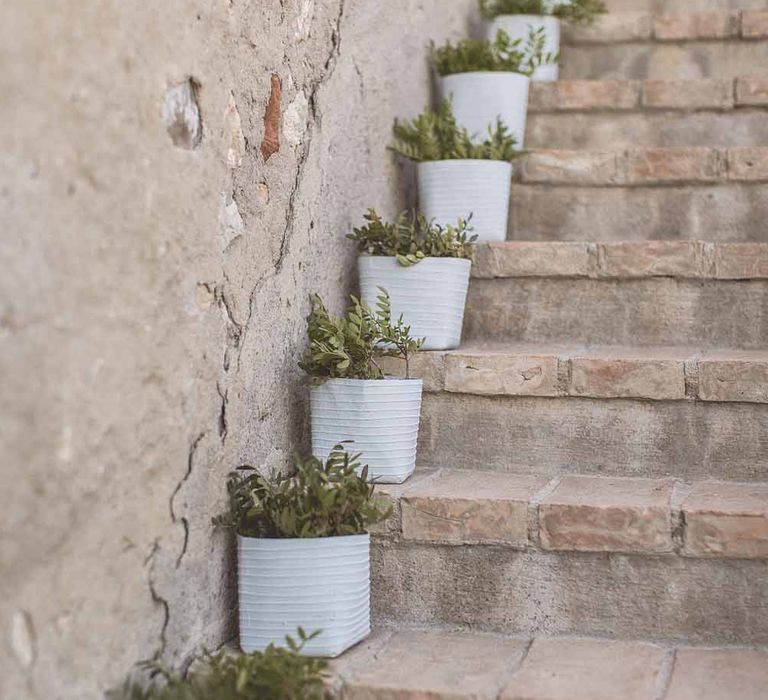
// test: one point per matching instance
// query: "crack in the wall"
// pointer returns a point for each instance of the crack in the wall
(157, 599)
(224, 396)
(174, 518)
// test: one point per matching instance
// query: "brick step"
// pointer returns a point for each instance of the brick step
(597, 114)
(641, 193)
(411, 664)
(641, 45)
(582, 555)
(641, 293)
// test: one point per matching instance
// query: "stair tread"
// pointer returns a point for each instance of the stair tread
(448, 663)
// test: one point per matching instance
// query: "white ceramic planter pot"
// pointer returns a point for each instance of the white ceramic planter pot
(480, 98)
(452, 189)
(430, 295)
(379, 416)
(519, 26)
(318, 584)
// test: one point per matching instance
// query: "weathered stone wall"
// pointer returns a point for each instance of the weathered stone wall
(155, 274)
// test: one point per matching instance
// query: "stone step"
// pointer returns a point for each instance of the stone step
(641, 193)
(598, 114)
(661, 7)
(615, 557)
(646, 293)
(442, 664)
(720, 44)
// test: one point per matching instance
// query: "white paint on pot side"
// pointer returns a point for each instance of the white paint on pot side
(519, 26)
(318, 584)
(430, 295)
(480, 98)
(452, 189)
(379, 416)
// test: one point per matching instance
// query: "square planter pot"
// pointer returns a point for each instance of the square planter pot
(430, 295)
(519, 26)
(481, 97)
(379, 416)
(318, 584)
(452, 189)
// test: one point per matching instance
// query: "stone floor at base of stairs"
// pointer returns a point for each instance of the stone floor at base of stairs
(415, 664)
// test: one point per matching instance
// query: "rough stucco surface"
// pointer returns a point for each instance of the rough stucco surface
(154, 289)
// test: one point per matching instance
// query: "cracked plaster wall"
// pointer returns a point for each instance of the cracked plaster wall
(154, 288)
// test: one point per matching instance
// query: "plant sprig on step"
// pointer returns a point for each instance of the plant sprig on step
(347, 347)
(577, 11)
(500, 55)
(411, 237)
(435, 135)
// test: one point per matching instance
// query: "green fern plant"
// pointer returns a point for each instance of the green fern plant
(501, 54)
(412, 237)
(273, 674)
(435, 135)
(577, 11)
(347, 347)
(318, 499)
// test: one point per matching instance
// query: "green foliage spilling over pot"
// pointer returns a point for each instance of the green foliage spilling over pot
(347, 347)
(317, 500)
(274, 674)
(412, 237)
(435, 135)
(501, 54)
(577, 11)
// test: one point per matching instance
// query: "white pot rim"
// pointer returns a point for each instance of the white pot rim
(442, 258)
(502, 73)
(304, 540)
(348, 380)
(520, 15)
(464, 161)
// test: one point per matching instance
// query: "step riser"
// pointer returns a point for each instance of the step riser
(663, 128)
(618, 437)
(735, 212)
(663, 61)
(657, 311)
(683, 6)
(499, 589)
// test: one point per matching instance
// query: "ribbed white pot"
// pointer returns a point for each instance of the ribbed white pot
(518, 27)
(451, 189)
(481, 97)
(379, 416)
(430, 295)
(318, 584)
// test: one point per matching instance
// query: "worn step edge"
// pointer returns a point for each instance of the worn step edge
(625, 27)
(625, 259)
(447, 662)
(721, 95)
(660, 374)
(636, 167)
(575, 513)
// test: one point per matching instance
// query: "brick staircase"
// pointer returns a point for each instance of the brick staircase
(589, 519)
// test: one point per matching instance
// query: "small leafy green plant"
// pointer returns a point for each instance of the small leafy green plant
(411, 237)
(577, 11)
(501, 54)
(318, 500)
(347, 347)
(435, 135)
(273, 674)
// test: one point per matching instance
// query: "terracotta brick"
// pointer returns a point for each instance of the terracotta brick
(600, 514)
(394, 493)
(642, 378)
(727, 519)
(754, 24)
(651, 259)
(416, 665)
(461, 507)
(532, 259)
(688, 94)
(574, 95)
(573, 167)
(741, 260)
(427, 366)
(501, 374)
(667, 165)
(752, 90)
(736, 379)
(584, 669)
(697, 25)
(719, 674)
(611, 28)
(748, 163)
